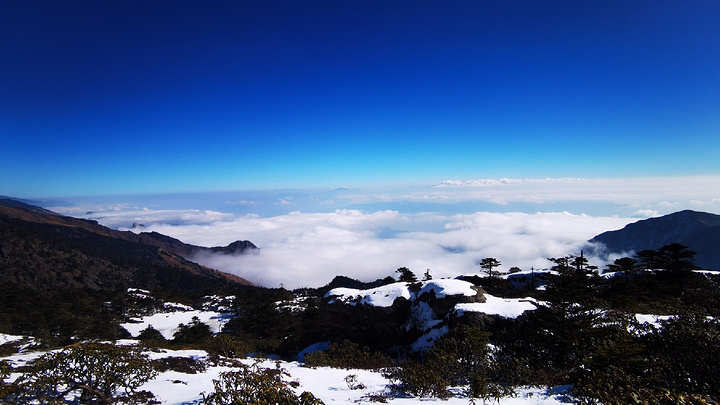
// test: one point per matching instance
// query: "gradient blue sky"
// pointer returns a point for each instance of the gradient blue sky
(114, 97)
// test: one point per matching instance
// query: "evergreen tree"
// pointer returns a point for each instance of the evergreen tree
(676, 257)
(557, 336)
(625, 265)
(488, 264)
(647, 258)
(194, 332)
(406, 275)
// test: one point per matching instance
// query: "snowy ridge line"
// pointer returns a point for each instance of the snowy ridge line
(384, 296)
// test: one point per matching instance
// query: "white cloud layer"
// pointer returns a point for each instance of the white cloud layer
(369, 234)
(308, 250)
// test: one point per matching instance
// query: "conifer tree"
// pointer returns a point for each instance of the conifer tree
(488, 264)
(406, 275)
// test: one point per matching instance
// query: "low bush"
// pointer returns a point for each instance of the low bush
(254, 385)
(417, 379)
(228, 346)
(187, 365)
(5, 369)
(353, 383)
(348, 355)
(151, 335)
(194, 332)
(89, 373)
(462, 357)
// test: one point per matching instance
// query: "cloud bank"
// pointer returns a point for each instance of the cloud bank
(307, 237)
(309, 249)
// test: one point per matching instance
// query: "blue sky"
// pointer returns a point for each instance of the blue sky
(120, 97)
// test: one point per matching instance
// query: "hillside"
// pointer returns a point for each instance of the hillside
(42, 250)
(700, 231)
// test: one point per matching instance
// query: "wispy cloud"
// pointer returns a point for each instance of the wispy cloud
(614, 196)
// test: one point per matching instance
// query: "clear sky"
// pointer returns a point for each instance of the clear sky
(113, 97)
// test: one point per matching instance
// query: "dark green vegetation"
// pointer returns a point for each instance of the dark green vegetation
(108, 374)
(585, 333)
(255, 385)
(94, 373)
(63, 277)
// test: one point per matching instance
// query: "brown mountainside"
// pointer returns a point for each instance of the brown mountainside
(43, 250)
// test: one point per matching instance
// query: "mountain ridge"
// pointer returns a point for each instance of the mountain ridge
(45, 250)
(700, 231)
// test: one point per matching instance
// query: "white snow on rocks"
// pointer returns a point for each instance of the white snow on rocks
(445, 287)
(505, 307)
(382, 296)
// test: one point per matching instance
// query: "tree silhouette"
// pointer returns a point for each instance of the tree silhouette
(487, 264)
(676, 257)
(406, 275)
(648, 258)
(626, 265)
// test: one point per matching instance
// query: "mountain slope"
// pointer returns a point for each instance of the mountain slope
(43, 250)
(698, 230)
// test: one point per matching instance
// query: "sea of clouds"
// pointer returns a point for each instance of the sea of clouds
(308, 237)
(309, 249)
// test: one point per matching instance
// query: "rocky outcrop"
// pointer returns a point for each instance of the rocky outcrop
(399, 314)
(443, 304)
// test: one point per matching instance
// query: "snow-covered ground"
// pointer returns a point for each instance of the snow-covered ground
(5, 338)
(167, 322)
(327, 384)
(505, 307)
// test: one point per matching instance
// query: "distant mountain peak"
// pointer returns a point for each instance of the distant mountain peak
(700, 231)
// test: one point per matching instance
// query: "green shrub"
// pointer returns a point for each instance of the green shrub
(228, 346)
(90, 373)
(419, 380)
(187, 365)
(348, 355)
(685, 354)
(151, 334)
(461, 357)
(193, 333)
(253, 385)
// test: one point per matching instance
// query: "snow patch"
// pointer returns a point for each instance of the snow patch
(167, 323)
(445, 287)
(382, 296)
(5, 338)
(505, 307)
